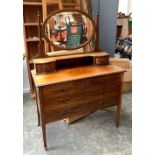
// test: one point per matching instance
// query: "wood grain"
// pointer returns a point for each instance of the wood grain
(74, 74)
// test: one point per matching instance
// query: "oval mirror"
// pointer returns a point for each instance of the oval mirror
(68, 29)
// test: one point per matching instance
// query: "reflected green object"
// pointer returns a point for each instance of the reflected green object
(130, 23)
(74, 36)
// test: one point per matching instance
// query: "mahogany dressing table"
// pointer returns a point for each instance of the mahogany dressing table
(75, 83)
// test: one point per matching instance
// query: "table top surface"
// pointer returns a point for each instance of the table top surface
(72, 74)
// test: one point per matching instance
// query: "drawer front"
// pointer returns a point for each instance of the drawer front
(57, 114)
(63, 89)
(45, 68)
(101, 96)
(64, 101)
(102, 60)
(103, 90)
(104, 81)
(105, 102)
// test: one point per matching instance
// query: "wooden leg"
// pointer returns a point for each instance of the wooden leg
(38, 111)
(119, 105)
(44, 135)
(38, 115)
(118, 114)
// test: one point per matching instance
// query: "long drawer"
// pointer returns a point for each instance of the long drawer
(64, 101)
(63, 89)
(106, 102)
(73, 110)
(104, 81)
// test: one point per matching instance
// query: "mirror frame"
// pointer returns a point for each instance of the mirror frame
(68, 10)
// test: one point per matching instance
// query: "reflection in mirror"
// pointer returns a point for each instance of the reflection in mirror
(68, 30)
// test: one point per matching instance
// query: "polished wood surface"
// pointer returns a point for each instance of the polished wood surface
(74, 74)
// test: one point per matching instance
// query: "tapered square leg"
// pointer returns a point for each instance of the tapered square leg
(38, 115)
(44, 135)
(118, 116)
(119, 104)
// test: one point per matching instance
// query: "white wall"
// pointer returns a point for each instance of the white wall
(129, 6)
(125, 6)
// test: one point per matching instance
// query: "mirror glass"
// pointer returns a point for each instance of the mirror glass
(68, 29)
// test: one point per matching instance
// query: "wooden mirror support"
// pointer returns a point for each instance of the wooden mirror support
(97, 32)
(41, 53)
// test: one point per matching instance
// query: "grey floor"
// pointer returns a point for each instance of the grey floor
(96, 134)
